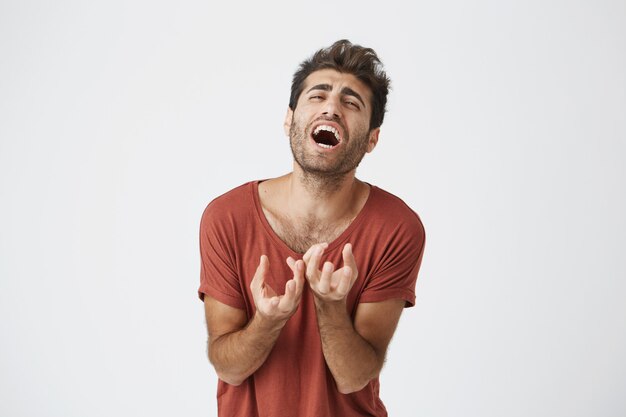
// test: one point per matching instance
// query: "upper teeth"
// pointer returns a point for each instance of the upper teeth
(329, 129)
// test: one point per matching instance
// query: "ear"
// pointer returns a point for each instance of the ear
(373, 139)
(288, 120)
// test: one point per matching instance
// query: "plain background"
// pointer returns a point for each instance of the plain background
(506, 132)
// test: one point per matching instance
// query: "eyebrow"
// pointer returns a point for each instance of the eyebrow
(347, 91)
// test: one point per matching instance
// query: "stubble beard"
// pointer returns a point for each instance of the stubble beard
(320, 175)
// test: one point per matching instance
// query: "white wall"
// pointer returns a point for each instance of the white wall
(506, 132)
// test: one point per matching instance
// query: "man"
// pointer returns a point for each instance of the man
(304, 277)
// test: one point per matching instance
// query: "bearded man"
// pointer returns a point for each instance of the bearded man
(304, 276)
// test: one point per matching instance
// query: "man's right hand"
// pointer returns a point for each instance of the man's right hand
(270, 306)
(238, 346)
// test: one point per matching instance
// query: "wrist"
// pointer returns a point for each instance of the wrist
(268, 323)
(330, 306)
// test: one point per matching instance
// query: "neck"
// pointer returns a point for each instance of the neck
(323, 197)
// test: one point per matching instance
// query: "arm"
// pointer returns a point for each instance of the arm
(354, 353)
(238, 348)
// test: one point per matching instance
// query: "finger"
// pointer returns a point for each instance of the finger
(312, 268)
(307, 255)
(290, 290)
(345, 282)
(298, 277)
(291, 262)
(288, 301)
(348, 259)
(323, 287)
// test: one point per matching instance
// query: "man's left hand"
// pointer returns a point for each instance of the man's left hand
(329, 284)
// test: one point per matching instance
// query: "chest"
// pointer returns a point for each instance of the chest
(301, 234)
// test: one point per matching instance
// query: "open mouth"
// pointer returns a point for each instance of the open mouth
(326, 136)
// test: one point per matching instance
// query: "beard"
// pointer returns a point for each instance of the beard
(320, 167)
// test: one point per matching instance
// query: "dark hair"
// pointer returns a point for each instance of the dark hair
(345, 57)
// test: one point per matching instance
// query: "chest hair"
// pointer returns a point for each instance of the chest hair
(301, 234)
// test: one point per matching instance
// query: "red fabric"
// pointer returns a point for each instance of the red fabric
(388, 241)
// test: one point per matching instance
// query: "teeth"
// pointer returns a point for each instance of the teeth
(329, 129)
(325, 146)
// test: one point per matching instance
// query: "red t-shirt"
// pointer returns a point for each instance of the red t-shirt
(388, 242)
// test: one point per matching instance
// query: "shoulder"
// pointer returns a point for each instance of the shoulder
(230, 207)
(238, 198)
(391, 211)
(233, 197)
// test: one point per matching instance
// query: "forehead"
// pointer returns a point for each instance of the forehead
(337, 80)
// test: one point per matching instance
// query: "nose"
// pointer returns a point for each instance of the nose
(332, 107)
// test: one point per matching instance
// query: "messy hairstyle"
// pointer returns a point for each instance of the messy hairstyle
(345, 57)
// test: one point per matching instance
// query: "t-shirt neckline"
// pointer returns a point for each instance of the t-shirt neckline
(254, 188)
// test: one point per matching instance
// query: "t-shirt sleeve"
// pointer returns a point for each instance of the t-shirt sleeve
(218, 273)
(396, 274)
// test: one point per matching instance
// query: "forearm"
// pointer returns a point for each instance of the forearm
(350, 358)
(239, 354)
